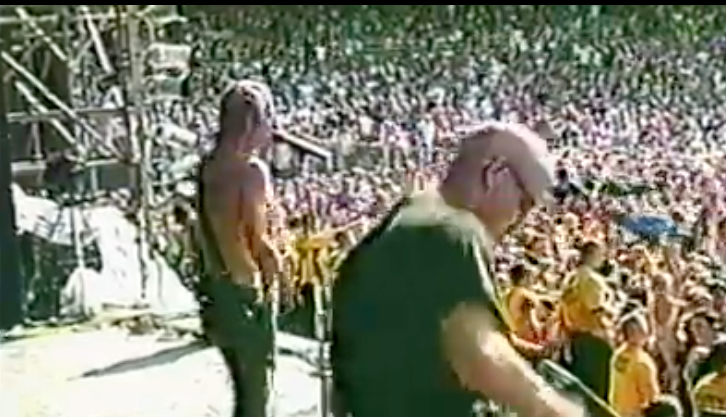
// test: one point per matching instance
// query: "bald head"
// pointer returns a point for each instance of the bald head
(523, 150)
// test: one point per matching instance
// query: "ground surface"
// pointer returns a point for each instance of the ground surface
(111, 374)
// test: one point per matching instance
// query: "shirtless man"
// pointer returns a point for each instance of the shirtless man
(234, 194)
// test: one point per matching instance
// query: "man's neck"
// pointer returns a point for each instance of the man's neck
(454, 196)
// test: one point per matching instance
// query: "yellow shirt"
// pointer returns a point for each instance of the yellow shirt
(710, 393)
(633, 380)
(310, 251)
(515, 304)
(581, 300)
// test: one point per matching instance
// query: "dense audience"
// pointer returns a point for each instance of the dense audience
(622, 278)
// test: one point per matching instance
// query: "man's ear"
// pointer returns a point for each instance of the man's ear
(493, 173)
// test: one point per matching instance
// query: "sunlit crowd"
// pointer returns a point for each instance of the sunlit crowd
(623, 280)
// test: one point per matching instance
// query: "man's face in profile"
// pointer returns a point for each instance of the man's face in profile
(263, 135)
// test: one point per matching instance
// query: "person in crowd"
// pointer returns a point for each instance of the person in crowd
(634, 376)
(521, 303)
(664, 311)
(586, 310)
(710, 392)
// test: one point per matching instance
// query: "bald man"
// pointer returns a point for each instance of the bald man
(234, 193)
(418, 328)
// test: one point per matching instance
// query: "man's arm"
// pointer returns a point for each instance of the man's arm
(525, 348)
(486, 363)
(479, 353)
(253, 219)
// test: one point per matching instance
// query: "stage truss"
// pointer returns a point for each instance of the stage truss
(105, 88)
(85, 83)
(102, 89)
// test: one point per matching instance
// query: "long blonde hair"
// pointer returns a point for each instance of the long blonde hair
(243, 106)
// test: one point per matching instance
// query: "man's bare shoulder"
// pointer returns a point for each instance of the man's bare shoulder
(256, 180)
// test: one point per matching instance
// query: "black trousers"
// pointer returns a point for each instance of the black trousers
(591, 362)
(241, 327)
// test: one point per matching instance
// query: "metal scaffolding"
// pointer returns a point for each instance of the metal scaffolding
(101, 88)
(76, 86)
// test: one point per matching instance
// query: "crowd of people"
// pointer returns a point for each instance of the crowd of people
(621, 278)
